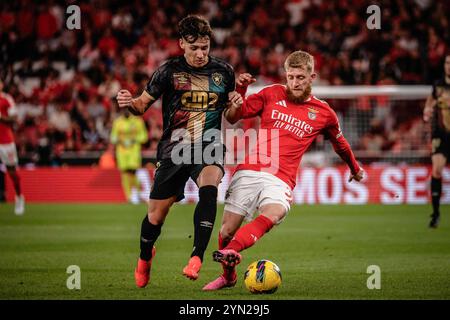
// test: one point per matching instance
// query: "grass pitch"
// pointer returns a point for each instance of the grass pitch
(323, 253)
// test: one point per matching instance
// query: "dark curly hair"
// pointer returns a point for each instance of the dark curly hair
(192, 27)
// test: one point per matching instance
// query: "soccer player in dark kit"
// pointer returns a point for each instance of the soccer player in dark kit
(195, 90)
(437, 109)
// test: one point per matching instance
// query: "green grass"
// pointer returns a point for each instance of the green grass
(323, 253)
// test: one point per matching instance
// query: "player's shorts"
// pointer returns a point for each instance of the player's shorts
(250, 190)
(441, 144)
(128, 160)
(170, 179)
(8, 154)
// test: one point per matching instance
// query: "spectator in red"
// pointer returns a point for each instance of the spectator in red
(108, 43)
(46, 24)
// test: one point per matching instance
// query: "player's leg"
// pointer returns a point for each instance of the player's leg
(133, 186)
(134, 163)
(242, 238)
(240, 202)
(150, 230)
(125, 181)
(9, 157)
(122, 164)
(168, 188)
(246, 236)
(231, 222)
(15, 179)
(438, 161)
(273, 203)
(204, 216)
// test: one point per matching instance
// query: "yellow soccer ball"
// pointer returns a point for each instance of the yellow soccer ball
(262, 276)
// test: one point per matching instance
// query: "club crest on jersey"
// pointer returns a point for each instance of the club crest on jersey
(217, 78)
(312, 114)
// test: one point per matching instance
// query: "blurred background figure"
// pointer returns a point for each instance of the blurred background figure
(437, 110)
(128, 134)
(8, 152)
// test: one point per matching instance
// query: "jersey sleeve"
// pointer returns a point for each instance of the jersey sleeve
(253, 105)
(158, 82)
(231, 83)
(340, 145)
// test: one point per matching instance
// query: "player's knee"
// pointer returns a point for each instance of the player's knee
(279, 218)
(156, 216)
(436, 171)
(275, 212)
(276, 217)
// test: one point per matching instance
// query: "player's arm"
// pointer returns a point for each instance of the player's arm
(343, 149)
(153, 90)
(8, 119)
(430, 103)
(234, 111)
(249, 107)
(11, 115)
(242, 83)
(137, 106)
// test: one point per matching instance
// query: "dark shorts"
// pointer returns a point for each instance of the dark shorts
(170, 179)
(441, 144)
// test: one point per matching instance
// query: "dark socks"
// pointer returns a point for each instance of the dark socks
(204, 217)
(149, 234)
(436, 191)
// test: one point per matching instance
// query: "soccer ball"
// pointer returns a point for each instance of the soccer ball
(262, 276)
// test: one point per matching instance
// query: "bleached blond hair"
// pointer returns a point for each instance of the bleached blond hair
(300, 59)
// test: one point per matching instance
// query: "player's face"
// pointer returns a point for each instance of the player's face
(299, 82)
(447, 65)
(196, 53)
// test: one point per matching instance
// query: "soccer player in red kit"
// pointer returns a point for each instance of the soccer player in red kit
(8, 152)
(292, 118)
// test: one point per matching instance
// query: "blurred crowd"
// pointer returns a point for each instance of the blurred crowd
(64, 81)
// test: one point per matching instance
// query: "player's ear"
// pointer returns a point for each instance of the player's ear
(313, 75)
(182, 44)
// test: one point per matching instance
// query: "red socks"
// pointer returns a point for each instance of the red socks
(247, 235)
(222, 243)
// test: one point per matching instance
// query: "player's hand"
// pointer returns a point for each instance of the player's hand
(358, 177)
(124, 99)
(427, 114)
(235, 99)
(245, 79)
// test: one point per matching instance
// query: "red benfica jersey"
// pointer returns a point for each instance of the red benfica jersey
(6, 109)
(287, 130)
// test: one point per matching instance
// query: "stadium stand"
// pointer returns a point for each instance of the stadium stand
(64, 81)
